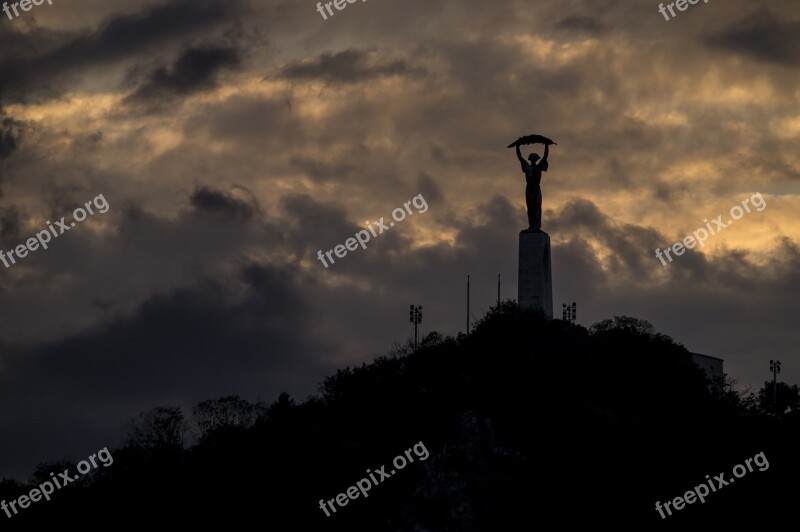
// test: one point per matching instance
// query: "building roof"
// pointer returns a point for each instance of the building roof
(706, 356)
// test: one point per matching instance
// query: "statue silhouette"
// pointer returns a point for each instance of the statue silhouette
(533, 190)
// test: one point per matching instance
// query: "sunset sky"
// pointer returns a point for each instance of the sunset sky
(235, 138)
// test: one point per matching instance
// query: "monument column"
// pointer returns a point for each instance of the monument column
(535, 281)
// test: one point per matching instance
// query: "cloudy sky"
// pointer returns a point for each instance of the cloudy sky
(233, 139)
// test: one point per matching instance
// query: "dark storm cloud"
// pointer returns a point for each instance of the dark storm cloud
(581, 213)
(349, 66)
(323, 171)
(27, 41)
(10, 138)
(667, 192)
(311, 225)
(187, 332)
(195, 70)
(628, 244)
(249, 122)
(105, 306)
(763, 36)
(180, 346)
(10, 135)
(222, 205)
(582, 24)
(117, 39)
(429, 188)
(10, 226)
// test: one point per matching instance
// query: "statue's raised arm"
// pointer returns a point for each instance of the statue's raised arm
(543, 165)
(521, 159)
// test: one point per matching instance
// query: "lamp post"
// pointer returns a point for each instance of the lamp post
(775, 368)
(569, 312)
(416, 318)
(467, 304)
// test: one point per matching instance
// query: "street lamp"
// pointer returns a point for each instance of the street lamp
(416, 318)
(569, 312)
(775, 368)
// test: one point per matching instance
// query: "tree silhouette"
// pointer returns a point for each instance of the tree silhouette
(225, 413)
(160, 428)
(527, 421)
(788, 399)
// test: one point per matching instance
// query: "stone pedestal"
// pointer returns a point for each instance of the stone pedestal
(535, 281)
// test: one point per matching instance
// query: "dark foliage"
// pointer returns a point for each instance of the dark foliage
(529, 423)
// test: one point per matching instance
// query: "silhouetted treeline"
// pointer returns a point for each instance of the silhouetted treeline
(530, 424)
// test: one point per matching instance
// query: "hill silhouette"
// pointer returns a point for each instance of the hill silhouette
(527, 422)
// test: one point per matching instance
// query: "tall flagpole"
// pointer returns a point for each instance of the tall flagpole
(467, 304)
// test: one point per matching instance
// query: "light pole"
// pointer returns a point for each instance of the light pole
(467, 304)
(416, 318)
(775, 368)
(569, 312)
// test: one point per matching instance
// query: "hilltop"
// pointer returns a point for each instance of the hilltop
(526, 421)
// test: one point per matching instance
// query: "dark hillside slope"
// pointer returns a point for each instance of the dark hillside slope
(526, 422)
